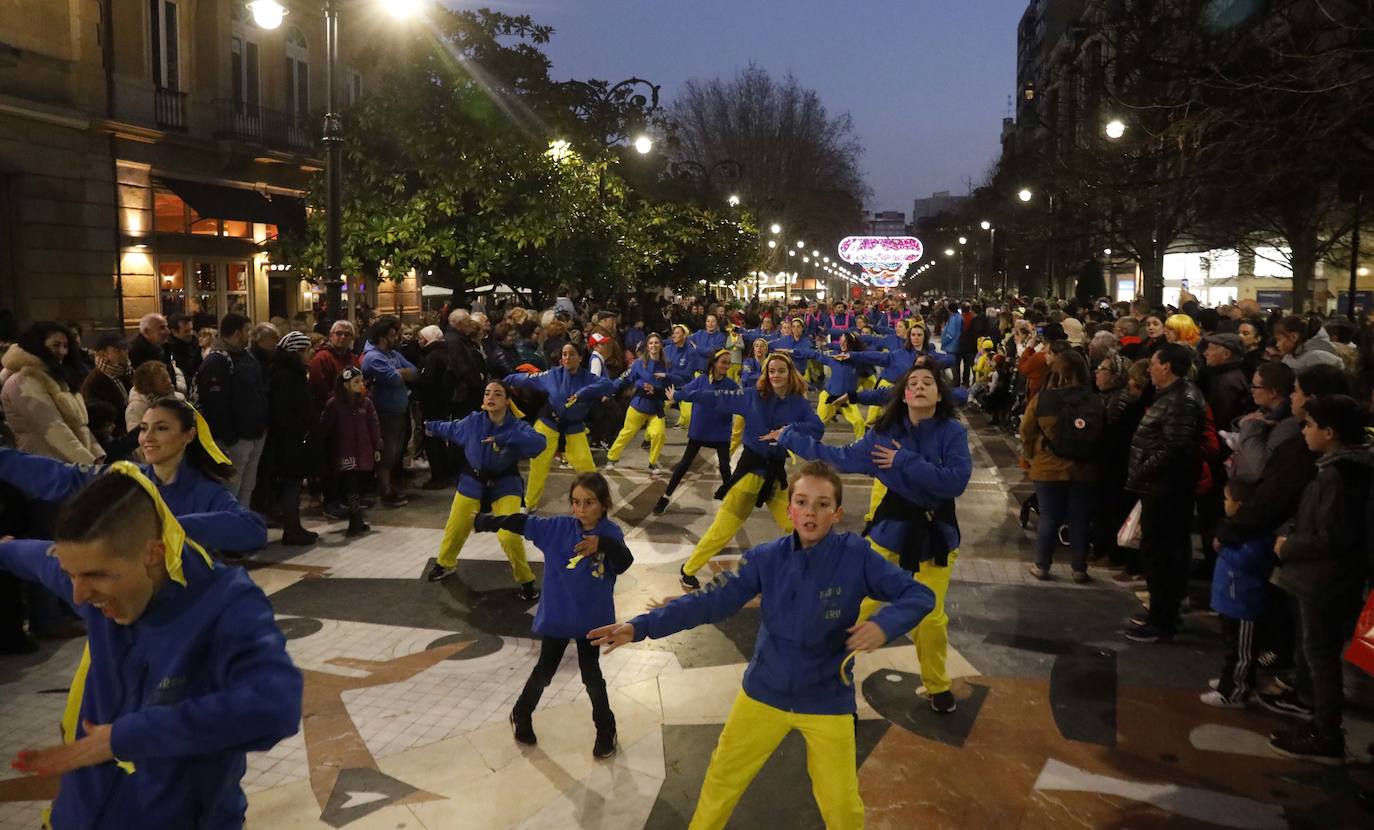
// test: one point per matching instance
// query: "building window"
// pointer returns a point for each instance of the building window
(166, 42)
(297, 75)
(243, 69)
(172, 286)
(169, 212)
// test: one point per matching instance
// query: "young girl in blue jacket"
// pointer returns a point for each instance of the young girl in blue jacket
(679, 355)
(182, 461)
(711, 427)
(647, 375)
(841, 385)
(583, 554)
(920, 452)
(492, 442)
(810, 583)
(571, 391)
(759, 479)
(753, 364)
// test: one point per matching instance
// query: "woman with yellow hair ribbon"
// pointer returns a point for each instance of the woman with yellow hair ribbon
(183, 463)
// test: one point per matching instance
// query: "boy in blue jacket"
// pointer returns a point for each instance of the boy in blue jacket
(801, 676)
(1240, 586)
(185, 670)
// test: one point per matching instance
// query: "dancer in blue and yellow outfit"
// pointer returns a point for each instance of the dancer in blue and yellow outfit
(778, 400)
(711, 427)
(492, 442)
(678, 355)
(583, 554)
(185, 671)
(182, 461)
(841, 385)
(920, 451)
(571, 391)
(648, 376)
(809, 583)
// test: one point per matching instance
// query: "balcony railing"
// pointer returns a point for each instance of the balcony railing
(270, 128)
(169, 109)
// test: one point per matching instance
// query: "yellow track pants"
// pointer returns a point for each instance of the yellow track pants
(736, 433)
(734, 510)
(752, 732)
(851, 414)
(875, 410)
(634, 422)
(459, 525)
(932, 633)
(576, 450)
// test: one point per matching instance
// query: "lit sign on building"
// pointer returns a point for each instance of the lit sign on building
(883, 258)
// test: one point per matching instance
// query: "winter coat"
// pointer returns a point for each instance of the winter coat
(949, 336)
(1164, 451)
(1257, 439)
(434, 389)
(232, 395)
(808, 598)
(1227, 390)
(468, 373)
(1122, 412)
(1034, 365)
(1036, 436)
(1240, 578)
(185, 354)
(351, 432)
(99, 386)
(45, 415)
(141, 350)
(1325, 553)
(502, 360)
(383, 373)
(288, 439)
(1317, 351)
(1277, 492)
(189, 688)
(324, 372)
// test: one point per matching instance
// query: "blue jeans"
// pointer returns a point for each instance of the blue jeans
(1060, 500)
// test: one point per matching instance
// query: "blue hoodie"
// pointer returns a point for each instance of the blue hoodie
(383, 373)
(578, 596)
(949, 337)
(559, 384)
(809, 597)
(710, 424)
(1240, 579)
(933, 465)
(513, 440)
(704, 345)
(761, 415)
(206, 509)
(198, 681)
(679, 361)
(638, 374)
(843, 378)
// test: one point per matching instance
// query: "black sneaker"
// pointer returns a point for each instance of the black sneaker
(523, 729)
(1138, 620)
(1149, 634)
(529, 592)
(439, 573)
(943, 702)
(661, 505)
(1285, 703)
(605, 745)
(1305, 744)
(335, 511)
(688, 581)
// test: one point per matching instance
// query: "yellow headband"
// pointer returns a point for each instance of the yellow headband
(173, 536)
(207, 440)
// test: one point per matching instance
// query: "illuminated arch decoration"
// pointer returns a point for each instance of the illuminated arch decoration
(883, 258)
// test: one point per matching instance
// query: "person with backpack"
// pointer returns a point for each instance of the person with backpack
(1061, 436)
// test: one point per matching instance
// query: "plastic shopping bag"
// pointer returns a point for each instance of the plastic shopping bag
(1361, 650)
(1129, 534)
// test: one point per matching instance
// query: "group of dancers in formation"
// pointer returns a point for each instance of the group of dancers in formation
(186, 671)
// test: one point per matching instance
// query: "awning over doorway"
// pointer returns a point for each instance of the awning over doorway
(213, 201)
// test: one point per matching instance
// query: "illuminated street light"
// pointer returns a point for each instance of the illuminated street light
(267, 14)
(791, 253)
(1115, 129)
(772, 243)
(801, 244)
(963, 240)
(733, 200)
(806, 259)
(1107, 251)
(1025, 194)
(985, 225)
(775, 228)
(949, 252)
(643, 145)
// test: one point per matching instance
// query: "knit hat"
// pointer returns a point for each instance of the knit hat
(1227, 341)
(350, 373)
(430, 334)
(1073, 330)
(293, 341)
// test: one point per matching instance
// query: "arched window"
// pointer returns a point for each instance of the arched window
(297, 75)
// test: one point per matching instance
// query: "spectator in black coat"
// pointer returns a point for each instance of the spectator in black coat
(467, 366)
(1224, 381)
(182, 346)
(108, 381)
(288, 441)
(232, 396)
(148, 343)
(434, 395)
(502, 356)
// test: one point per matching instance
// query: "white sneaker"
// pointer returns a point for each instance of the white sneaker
(655, 469)
(1214, 683)
(1214, 698)
(609, 466)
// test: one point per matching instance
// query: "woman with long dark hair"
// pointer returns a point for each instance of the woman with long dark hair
(43, 407)
(710, 428)
(919, 450)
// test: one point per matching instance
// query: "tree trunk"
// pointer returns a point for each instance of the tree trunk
(1303, 259)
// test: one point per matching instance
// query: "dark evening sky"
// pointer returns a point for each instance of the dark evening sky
(926, 81)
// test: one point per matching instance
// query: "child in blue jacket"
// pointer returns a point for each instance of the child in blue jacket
(841, 385)
(492, 442)
(647, 375)
(710, 428)
(185, 670)
(801, 677)
(1240, 587)
(583, 554)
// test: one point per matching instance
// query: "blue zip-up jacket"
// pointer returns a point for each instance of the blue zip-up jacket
(560, 385)
(705, 344)
(809, 597)
(578, 596)
(206, 509)
(843, 378)
(933, 465)
(762, 415)
(679, 362)
(513, 439)
(636, 376)
(383, 373)
(896, 362)
(1240, 579)
(802, 350)
(635, 338)
(949, 338)
(749, 372)
(710, 424)
(190, 687)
